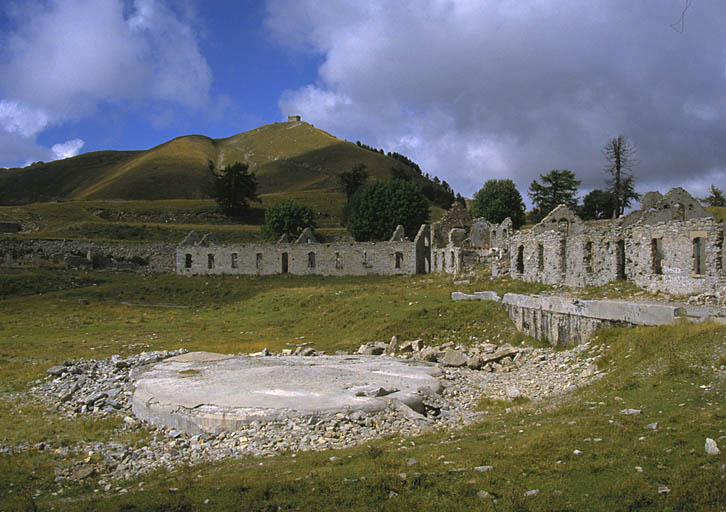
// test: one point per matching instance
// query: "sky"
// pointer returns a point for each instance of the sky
(469, 89)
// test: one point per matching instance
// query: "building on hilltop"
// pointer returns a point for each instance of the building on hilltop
(294, 119)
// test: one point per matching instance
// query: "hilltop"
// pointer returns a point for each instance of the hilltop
(288, 158)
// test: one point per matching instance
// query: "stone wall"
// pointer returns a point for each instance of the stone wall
(158, 257)
(671, 245)
(328, 259)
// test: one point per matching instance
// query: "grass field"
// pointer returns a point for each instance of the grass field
(676, 375)
(171, 220)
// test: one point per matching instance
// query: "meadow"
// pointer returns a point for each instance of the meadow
(675, 374)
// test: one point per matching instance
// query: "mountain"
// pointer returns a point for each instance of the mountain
(286, 157)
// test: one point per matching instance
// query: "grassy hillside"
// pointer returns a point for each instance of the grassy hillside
(59, 179)
(578, 452)
(288, 158)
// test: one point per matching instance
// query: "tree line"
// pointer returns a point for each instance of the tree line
(499, 199)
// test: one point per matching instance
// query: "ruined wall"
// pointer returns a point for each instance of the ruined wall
(158, 257)
(331, 259)
(552, 257)
(671, 245)
(681, 258)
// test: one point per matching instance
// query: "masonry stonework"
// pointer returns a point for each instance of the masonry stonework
(203, 255)
(671, 245)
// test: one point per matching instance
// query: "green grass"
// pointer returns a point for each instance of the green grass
(670, 373)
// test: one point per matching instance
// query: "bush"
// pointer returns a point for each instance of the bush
(288, 217)
(378, 207)
(497, 200)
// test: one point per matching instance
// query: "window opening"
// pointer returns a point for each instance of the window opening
(540, 257)
(620, 260)
(699, 255)
(587, 257)
(656, 250)
(338, 261)
(520, 259)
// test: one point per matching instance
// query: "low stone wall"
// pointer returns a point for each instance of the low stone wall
(333, 259)
(567, 321)
(157, 257)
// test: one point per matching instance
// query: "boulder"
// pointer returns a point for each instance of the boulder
(392, 347)
(453, 357)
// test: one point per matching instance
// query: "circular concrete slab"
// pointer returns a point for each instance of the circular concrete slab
(206, 392)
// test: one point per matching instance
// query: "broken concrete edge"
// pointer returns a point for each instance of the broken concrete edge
(476, 296)
(635, 313)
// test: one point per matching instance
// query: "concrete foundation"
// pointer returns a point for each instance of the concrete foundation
(567, 321)
(203, 392)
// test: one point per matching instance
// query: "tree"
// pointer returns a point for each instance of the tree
(379, 206)
(716, 197)
(288, 217)
(353, 179)
(234, 188)
(557, 187)
(398, 173)
(497, 200)
(598, 204)
(620, 155)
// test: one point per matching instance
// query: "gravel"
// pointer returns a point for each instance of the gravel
(104, 389)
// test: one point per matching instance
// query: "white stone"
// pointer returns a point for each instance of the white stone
(712, 447)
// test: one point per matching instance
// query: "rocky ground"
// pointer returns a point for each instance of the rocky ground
(104, 388)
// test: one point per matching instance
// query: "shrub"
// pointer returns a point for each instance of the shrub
(288, 217)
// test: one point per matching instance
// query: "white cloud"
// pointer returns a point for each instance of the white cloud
(515, 88)
(61, 59)
(21, 119)
(67, 149)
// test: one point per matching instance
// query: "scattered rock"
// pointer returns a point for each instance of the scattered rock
(56, 371)
(483, 495)
(454, 358)
(83, 472)
(631, 412)
(712, 447)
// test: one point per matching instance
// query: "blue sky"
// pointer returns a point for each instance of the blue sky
(469, 89)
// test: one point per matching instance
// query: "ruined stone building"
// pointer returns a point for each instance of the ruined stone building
(672, 245)
(305, 256)
(455, 242)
